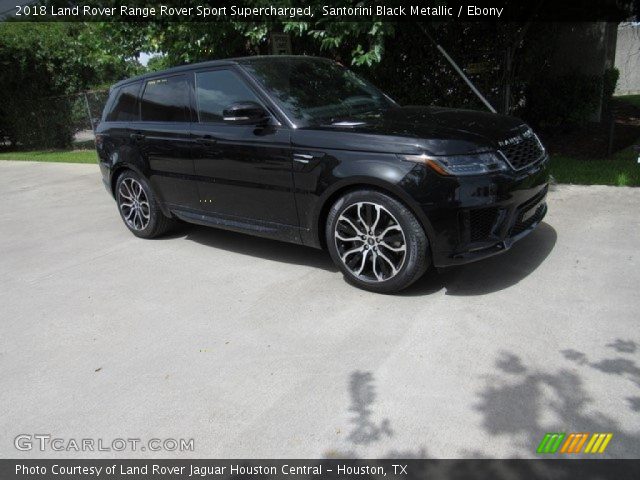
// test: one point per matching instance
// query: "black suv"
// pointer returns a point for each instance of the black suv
(303, 150)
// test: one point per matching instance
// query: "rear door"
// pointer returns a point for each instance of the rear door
(162, 135)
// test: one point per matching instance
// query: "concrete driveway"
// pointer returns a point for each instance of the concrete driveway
(255, 348)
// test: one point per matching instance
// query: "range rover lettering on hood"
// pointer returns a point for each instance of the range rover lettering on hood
(516, 139)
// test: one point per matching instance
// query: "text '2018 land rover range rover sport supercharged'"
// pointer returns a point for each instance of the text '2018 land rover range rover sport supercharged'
(301, 149)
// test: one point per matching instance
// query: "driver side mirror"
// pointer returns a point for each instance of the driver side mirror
(245, 113)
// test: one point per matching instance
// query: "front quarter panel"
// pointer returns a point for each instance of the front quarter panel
(332, 171)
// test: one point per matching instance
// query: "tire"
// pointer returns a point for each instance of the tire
(384, 255)
(139, 207)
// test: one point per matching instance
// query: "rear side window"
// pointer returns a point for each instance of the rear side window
(125, 107)
(166, 100)
(218, 89)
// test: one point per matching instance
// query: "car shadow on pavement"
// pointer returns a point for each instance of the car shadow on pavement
(259, 247)
(479, 278)
(494, 273)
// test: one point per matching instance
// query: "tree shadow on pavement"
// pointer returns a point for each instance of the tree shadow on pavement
(496, 404)
(623, 365)
(363, 394)
(515, 402)
(492, 274)
(365, 430)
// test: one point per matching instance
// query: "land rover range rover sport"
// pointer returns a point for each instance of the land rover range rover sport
(303, 150)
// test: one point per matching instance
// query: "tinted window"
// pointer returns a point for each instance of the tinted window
(166, 100)
(216, 90)
(125, 107)
(318, 91)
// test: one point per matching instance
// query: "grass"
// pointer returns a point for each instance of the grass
(622, 169)
(61, 156)
(631, 99)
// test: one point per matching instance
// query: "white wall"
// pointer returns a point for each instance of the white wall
(628, 59)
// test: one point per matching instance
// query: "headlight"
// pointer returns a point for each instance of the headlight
(475, 164)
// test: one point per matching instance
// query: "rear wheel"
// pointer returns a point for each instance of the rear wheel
(139, 207)
(377, 243)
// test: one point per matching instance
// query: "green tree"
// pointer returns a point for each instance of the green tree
(42, 63)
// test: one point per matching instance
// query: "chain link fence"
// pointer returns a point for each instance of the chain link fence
(86, 108)
(53, 122)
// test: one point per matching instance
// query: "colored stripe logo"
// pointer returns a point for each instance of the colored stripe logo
(574, 443)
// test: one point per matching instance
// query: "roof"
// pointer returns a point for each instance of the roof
(214, 63)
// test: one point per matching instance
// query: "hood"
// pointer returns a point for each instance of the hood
(431, 130)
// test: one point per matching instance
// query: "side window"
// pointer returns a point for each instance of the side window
(125, 108)
(218, 89)
(166, 100)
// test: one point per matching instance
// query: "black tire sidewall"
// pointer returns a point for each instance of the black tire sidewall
(417, 259)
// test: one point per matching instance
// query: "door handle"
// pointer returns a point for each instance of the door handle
(137, 136)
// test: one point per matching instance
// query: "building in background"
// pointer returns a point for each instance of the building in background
(628, 59)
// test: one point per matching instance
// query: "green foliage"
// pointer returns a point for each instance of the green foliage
(563, 100)
(157, 63)
(41, 63)
(609, 82)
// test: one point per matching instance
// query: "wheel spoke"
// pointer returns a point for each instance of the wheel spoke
(401, 248)
(389, 229)
(394, 270)
(362, 221)
(351, 252)
(348, 239)
(128, 215)
(125, 192)
(378, 274)
(351, 224)
(375, 222)
(137, 189)
(364, 261)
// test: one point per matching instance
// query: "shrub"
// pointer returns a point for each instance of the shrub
(563, 99)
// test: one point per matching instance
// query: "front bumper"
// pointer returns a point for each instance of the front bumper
(481, 252)
(477, 217)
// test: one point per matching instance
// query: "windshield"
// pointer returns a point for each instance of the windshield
(316, 92)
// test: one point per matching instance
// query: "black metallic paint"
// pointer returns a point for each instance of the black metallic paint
(246, 178)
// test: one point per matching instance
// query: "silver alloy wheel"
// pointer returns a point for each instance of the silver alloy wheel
(134, 204)
(370, 242)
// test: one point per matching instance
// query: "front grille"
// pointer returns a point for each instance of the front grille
(523, 154)
(481, 223)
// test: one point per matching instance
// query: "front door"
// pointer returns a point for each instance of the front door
(245, 171)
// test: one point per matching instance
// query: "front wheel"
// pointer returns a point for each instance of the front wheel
(376, 241)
